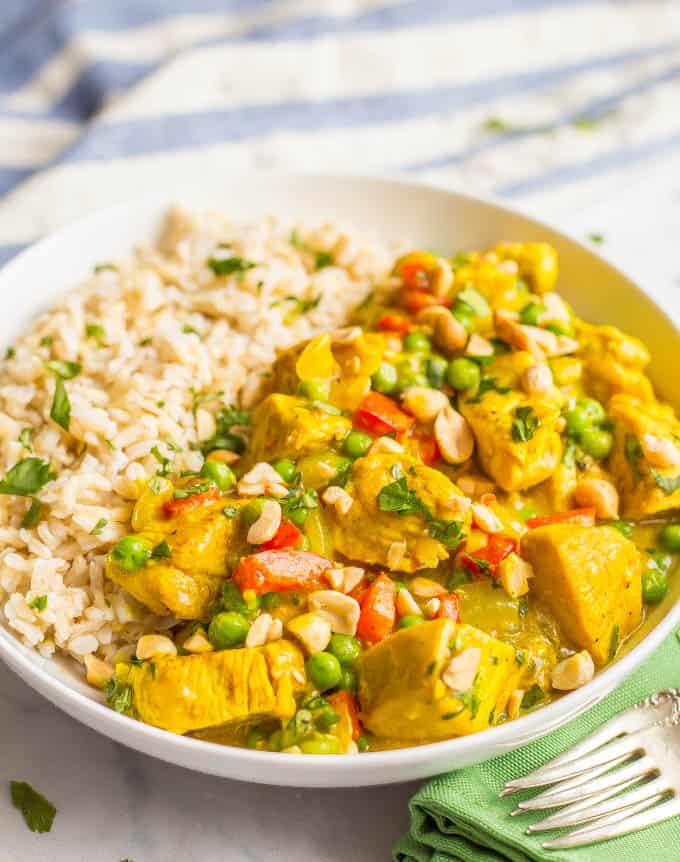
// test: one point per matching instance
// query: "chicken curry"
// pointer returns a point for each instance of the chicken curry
(432, 521)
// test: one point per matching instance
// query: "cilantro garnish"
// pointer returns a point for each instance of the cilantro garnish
(98, 527)
(26, 477)
(61, 405)
(668, 484)
(32, 516)
(321, 258)
(165, 463)
(532, 696)
(63, 368)
(487, 384)
(229, 265)
(38, 812)
(524, 424)
(300, 306)
(191, 490)
(633, 453)
(39, 603)
(119, 696)
(25, 438)
(613, 642)
(449, 533)
(161, 551)
(397, 497)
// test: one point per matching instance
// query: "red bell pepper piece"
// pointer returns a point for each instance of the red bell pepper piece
(379, 415)
(378, 610)
(429, 450)
(585, 517)
(174, 507)
(345, 705)
(279, 571)
(394, 323)
(417, 300)
(485, 561)
(287, 536)
(415, 275)
(449, 607)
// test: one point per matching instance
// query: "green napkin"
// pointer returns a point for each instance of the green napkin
(459, 818)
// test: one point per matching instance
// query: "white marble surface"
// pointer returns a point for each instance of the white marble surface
(116, 804)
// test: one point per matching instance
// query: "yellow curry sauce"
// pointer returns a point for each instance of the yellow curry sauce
(432, 520)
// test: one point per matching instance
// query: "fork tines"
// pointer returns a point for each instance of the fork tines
(622, 778)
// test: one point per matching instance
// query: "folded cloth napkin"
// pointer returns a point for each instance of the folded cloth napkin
(459, 817)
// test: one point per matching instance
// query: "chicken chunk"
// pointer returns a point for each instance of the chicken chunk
(286, 427)
(435, 680)
(645, 459)
(516, 434)
(202, 542)
(537, 263)
(613, 362)
(194, 692)
(590, 579)
(370, 531)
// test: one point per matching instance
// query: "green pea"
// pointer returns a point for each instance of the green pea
(275, 741)
(131, 553)
(270, 601)
(463, 373)
(596, 442)
(324, 670)
(255, 738)
(221, 474)
(285, 468)
(315, 389)
(357, 444)
(227, 629)
(585, 413)
(362, 744)
(465, 315)
(326, 718)
(417, 342)
(298, 516)
(385, 378)
(670, 537)
(348, 680)
(345, 648)
(410, 620)
(660, 561)
(252, 510)
(531, 313)
(410, 377)
(436, 368)
(320, 745)
(654, 586)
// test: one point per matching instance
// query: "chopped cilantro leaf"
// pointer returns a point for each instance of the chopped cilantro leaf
(532, 696)
(39, 603)
(38, 812)
(98, 527)
(162, 550)
(524, 424)
(449, 533)
(32, 516)
(230, 265)
(25, 438)
(191, 490)
(397, 497)
(61, 405)
(613, 642)
(94, 330)
(633, 453)
(190, 330)
(300, 306)
(46, 341)
(668, 484)
(119, 696)
(63, 368)
(230, 511)
(596, 238)
(10, 353)
(487, 384)
(26, 477)
(165, 463)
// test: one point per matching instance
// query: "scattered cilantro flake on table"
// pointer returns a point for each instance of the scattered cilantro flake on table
(38, 812)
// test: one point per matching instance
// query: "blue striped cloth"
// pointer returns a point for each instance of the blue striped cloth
(557, 103)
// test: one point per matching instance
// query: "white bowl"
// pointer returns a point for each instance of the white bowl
(388, 209)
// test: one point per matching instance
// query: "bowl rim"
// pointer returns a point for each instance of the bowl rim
(299, 769)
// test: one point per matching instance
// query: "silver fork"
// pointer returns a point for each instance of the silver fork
(623, 777)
